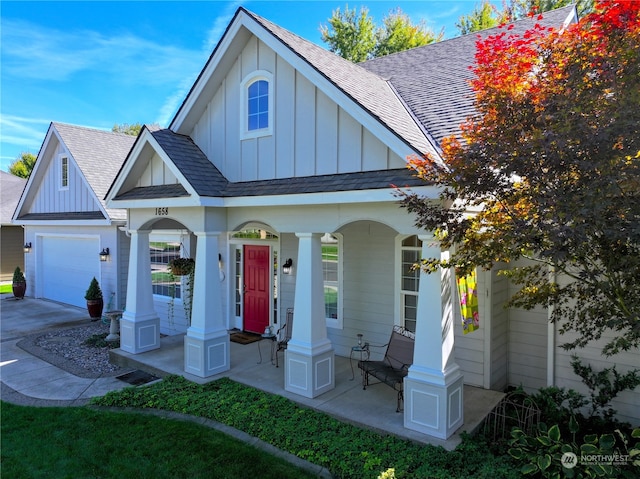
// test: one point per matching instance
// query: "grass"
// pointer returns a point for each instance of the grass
(84, 443)
(5, 288)
(344, 449)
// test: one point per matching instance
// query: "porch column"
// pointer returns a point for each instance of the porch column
(433, 388)
(139, 325)
(309, 357)
(206, 344)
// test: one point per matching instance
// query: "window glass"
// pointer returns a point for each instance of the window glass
(163, 283)
(258, 105)
(64, 172)
(409, 281)
(330, 266)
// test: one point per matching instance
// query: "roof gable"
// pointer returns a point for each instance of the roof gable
(377, 106)
(94, 159)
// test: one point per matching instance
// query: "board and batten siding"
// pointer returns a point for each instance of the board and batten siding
(311, 134)
(156, 173)
(51, 198)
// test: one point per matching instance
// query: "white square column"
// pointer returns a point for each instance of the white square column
(206, 344)
(309, 357)
(139, 325)
(433, 388)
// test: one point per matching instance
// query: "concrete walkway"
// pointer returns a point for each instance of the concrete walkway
(32, 381)
(29, 380)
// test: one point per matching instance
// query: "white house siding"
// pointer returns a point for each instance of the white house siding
(499, 344)
(528, 348)
(156, 173)
(368, 286)
(50, 197)
(312, 135)
(470, 347)
(627, 404)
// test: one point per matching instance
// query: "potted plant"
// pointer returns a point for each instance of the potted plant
(19, 285)
(95, 302)
(182, 266)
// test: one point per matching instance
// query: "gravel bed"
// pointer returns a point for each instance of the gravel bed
(67, 350)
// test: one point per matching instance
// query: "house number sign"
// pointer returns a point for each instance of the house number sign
(164, 211)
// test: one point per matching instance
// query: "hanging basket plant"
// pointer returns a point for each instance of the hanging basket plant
(182, 266)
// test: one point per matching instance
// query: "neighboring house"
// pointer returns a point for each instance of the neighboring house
(11, 236)
(66, 221)
(284, 151)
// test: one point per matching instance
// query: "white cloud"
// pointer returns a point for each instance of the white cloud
(30, 51)
(23, 132)
(213, 36)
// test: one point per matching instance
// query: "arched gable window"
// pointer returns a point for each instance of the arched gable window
(256, 113)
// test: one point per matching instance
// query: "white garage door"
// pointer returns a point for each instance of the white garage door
(68, 264)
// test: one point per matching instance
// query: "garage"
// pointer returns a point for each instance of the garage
(68, 264)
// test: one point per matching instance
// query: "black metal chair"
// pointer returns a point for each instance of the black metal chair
(283, 335)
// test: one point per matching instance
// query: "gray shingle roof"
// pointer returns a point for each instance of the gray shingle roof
(11, 188)
(99, 155)
(433, 80)
(207, 180)
(367, 88)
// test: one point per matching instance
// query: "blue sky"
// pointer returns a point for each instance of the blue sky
(98, 64)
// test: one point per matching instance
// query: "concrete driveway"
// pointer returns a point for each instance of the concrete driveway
(29, 380)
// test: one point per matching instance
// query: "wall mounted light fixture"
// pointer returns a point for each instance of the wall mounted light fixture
(27, 247)
(286, 267)
(104, 254)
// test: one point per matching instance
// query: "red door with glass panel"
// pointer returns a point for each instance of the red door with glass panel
(257, 292)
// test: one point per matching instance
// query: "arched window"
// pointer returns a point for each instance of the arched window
(257, 105)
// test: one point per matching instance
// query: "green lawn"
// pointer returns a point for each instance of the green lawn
(5, 288)
(85, 443)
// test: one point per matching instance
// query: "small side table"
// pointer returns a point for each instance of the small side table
(114, 327)
(363, 350)
(272, 337)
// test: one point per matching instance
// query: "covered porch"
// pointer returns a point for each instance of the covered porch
(373, 408)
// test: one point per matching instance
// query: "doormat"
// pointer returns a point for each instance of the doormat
(137, 377)
(244, 337)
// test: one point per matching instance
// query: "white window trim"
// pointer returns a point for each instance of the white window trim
(245, 133)
(399, 306)
(61, 159)
(338, 323)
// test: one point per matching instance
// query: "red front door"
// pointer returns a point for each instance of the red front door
(257, 293)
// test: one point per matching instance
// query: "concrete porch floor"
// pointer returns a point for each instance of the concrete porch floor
(373, 408)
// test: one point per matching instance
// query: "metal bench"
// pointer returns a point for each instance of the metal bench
(394, 366)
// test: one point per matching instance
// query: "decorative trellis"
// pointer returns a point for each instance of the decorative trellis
(516, 409)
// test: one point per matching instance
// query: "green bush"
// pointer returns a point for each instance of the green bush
(18, 276)
(94, 291)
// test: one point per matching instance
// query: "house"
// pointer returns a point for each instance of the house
(11, 236)
(66, 220)
(283, 154)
